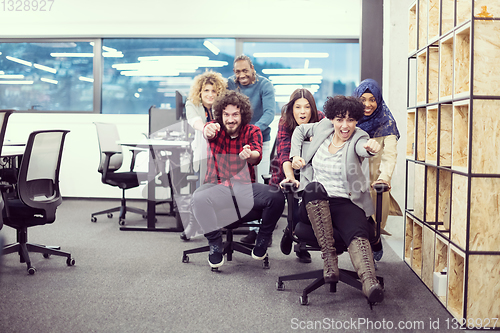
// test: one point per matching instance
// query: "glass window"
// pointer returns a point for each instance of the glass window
(48, 76)
(326, 69)
(151, 70)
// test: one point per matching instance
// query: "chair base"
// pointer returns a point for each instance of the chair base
(230, 246)
(122, 209)
(348, 277)
(24, 248)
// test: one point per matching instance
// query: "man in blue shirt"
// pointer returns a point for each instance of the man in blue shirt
(260, 91)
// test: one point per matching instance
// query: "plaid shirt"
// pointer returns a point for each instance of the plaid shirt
(283, 145)
(223, 160)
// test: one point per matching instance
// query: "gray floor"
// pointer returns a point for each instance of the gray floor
(127, 281)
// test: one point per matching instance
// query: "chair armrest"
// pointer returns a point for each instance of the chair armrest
(266, 178)
(107, 160)
(380, 188)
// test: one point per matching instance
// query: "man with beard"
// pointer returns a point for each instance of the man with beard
(260, 91)
(235, 147)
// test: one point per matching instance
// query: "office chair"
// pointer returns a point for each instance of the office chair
(230, 245)
(304, 239)
(38, 195)
(111, 154)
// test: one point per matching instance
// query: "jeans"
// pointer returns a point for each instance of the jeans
(213, 206)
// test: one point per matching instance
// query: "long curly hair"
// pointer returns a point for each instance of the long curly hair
(231, 97)
(340, 105)
(287, 117)
(209, 77)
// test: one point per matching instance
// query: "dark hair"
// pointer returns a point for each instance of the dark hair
(243, 57)
(340, 105)
(231, 97)
(287, 117)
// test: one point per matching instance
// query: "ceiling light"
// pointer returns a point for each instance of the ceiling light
(285, 71)
(11, 76)
(45, 68)
(215, 50)
(49, 80)
(20, 61)
(16, 82)
(71, 55)
(291, 55)
(86, 79)
(115, 54)
(297, 79)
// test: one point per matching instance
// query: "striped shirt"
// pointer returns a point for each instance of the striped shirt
(327, 170)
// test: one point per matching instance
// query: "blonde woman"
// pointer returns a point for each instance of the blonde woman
(206, 87)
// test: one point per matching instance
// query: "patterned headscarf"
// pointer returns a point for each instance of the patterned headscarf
(381, 122)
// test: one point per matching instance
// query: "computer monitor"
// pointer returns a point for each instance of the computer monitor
(163, 120)
(180, 105)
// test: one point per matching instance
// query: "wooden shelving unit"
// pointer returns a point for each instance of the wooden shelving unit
(453, 166)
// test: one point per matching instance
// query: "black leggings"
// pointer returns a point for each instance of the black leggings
(347, 218)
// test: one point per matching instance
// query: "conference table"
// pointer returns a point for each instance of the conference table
(175, 149)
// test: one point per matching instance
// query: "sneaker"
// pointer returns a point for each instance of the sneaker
(216, 254)
(377, 255)
(250, 238)
(259, 251)
(215, 259)
(286, 242)
(304, 256)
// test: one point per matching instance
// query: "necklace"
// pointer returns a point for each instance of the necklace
(342, 145)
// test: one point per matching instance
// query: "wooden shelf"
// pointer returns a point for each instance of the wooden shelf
(422, 23)
(446, 68)
(456, 278)
(410, 134)
(431, 135)
(445, 135)
(460, 141)
(462, 61)
(453, 160)
(447, 16)
(459, 207)
(412, 28)
(421, 77)
(464, 11)
(421, 122)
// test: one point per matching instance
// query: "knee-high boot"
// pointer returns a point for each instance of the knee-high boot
(362, 260)
(318, 212)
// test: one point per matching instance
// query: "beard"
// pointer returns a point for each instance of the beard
(233, 130)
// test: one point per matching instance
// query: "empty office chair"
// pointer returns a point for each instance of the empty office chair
(305, 240)
(38, 194)
(111, 160)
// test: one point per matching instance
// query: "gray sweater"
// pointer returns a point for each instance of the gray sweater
(355, 174)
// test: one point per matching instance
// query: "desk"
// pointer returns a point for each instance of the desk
(176, 148)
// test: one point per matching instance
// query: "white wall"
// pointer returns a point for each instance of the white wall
(231, 18)
(395, 81)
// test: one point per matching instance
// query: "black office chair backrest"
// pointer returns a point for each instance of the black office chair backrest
(38, 179)
(108, 137)
(4, 117)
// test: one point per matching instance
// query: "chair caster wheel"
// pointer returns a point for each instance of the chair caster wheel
(93, 219)
(121, 222)
(265, 263)
(70, 262)
(110, 215)
(185, 259)
(31, 270)
(215, 269)
(303, 300)
(144, 216)
(280, 285)
(46, 255)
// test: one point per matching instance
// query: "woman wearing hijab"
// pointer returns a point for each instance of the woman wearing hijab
(379, 123)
